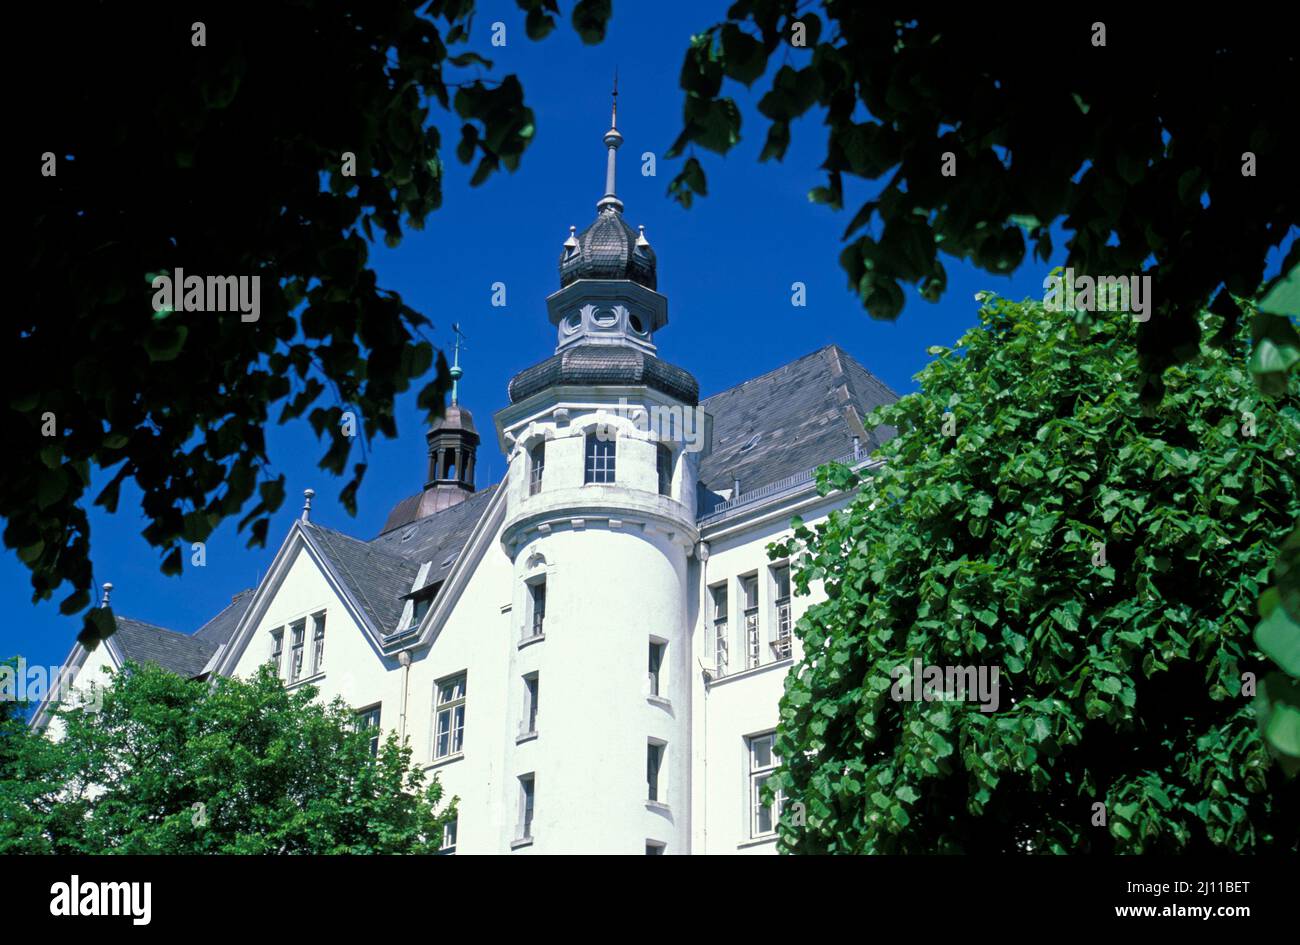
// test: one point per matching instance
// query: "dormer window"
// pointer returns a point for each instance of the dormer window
(421, 601)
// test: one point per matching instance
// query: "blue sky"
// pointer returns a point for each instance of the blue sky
(726, 267)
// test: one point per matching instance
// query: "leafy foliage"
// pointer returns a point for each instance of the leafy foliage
(224, 159)
(175, 766)
(1136, 147)
(1121, 678)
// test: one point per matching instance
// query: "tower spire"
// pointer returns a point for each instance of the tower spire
(456, 371)
(612, 139)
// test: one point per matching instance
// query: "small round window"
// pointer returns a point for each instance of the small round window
(573, 323)
(635, 322)
(605, 318)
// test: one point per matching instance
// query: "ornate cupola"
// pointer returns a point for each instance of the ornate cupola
(608, 280)
(453, 441)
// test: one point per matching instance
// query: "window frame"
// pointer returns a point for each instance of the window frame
(535, 591)
(757, 777)
(317, 643)
(532, 691)
(457, 700)
(664, 468)
(297, 651)
(655, 661)
(536, 467)
(277, 650)
(753, 625)
(720, 595)
(600, 459)
(363, 721)
(655, 757)
(527, 805)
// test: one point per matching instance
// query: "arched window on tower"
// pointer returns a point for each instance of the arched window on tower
(664, 462)
(449, 464)
(536, 466)
(600, 457)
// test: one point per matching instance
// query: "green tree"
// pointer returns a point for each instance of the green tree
(175, 766)
(1146, 138)
(225, 147)
(1105, 558)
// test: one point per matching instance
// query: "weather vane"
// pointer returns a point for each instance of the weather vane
(456, 371)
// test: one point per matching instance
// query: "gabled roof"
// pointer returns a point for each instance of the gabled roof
(144, 643)
(436, 538)
(787, 421)
(376, 577)
(219, 628)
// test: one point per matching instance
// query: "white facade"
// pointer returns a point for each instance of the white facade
(529, 685)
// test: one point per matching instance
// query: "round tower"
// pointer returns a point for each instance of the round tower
(604, 440)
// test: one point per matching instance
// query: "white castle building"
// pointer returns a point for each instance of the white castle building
(590, 653)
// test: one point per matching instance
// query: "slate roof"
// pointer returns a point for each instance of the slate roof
(376, 577)
(218, 630)
(792, 419)
(144, 643)
(436, 538)
(608, 250)
(591, 365)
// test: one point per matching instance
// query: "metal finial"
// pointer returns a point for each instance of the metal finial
(108, 590)
(456, 371)
(613, 110)
(307, 495)
(612, 140)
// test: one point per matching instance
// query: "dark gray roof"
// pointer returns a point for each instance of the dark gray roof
(608, 250)
(436, 538)
(376, 578)
(590, 365)
(144, 643)
(792, 419)
(218, 630)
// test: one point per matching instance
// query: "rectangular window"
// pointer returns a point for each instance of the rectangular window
(537, 608)
(656, 665)
(781, 646)
(530, 704)
(664, 464)
(654, 760)
(749, 589)
(298, 632)
(720, 628)
(368, 721)
(449, 723)
(449, 830)
(421, 603)
(600, 458)
(277, 650)
(763, 761)
(317, 643)
(527, 797)
(536, 466)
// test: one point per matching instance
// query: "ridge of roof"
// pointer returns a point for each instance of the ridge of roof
(792, 418)
(366, 570)
(141, 642)
(218, 630)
